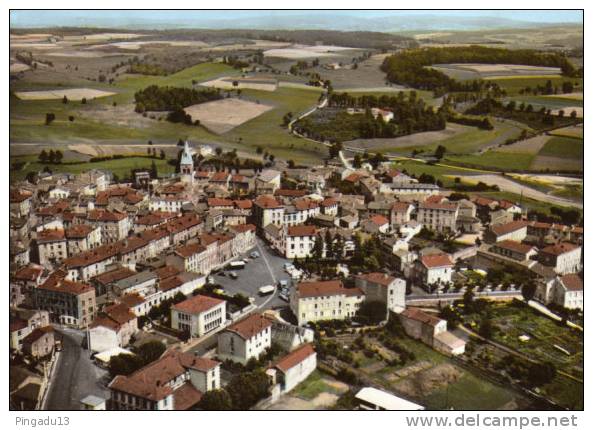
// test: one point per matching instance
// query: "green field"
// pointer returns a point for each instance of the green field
(549, 102)
(513, 84)
(503, 161)
(313, 386)
(470, 392)
(563, 147)
(28, 117)
(120, 167)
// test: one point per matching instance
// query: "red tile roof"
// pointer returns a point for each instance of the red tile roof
(113, 275)
(379, 220)
(250, 326)
(437, 260)
(421, 316)
(242, 228)
(79, 231)
(220, 177)
(213, 202)
(150, 382)
(57, 282)
(515, 246)
(18, 196)
(267, 202)
(559, 248)
(290, 193)
(572, 282)
(197, 304)
(101, 215)
(301, 230)
(305, 204)
(243, 204)
(155, 218)
(50, 235)
(325, 288)
(31, 273)
(295, 357)
(509, 227)
(37, 334)
(186, 251)
(377, 278)
(400, 206)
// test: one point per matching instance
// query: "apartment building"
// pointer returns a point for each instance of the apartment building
(438, 216)
(198, 315)
(563, 257)
(176, 381)
(324, 300)
(68, 302)
(245, 339)
(383, 288)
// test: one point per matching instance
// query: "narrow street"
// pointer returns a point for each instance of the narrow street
(75, 376)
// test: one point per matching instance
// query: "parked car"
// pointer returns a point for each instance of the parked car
(233, 275)
(283, 283)
(254, 254)
(266, 289)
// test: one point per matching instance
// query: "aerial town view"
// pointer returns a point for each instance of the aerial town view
(296, 210)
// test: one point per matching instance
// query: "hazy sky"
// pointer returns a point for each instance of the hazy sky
(37, 18)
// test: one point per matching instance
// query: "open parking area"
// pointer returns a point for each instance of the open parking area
(267, 269)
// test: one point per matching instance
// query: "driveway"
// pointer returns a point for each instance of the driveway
(76, 376)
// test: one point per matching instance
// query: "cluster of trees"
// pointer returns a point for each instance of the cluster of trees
(529, 374)
(411, 67)
(155, 98)
(237, 301)
(549, 88)
(51, 157)
(235, 62)
(147, 69)
(536, 119)
(558, 215)
(411, 115)
(242, 392)
(125, 364)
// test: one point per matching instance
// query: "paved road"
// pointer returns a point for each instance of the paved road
(75, 376)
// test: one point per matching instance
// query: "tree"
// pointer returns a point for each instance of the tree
(246, 389)
(162, 154)
(65, 100)
(43, 156)
(150, 351)
(372, 312)
(318, 248)
(487, 328)
(528, 290)
(440, 152)
(153, 170)
(216, 400)
(124, 364)
(49, 118)
(541, 373)
(58, 156)
(51, 156)
(83, 101)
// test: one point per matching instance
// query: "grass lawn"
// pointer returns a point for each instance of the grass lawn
(563, 147)
(568, 132)
(120, 167)
(470, 392)
(313, 386)
(445, 174)
(502, 161)
(547, 101)
(574, 192)
(565, 391)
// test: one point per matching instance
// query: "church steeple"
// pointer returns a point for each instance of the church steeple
(186, 164)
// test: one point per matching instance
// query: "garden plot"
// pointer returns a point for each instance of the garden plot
(75, 94)
(527, 146)
(221, 116)
(227, 83)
